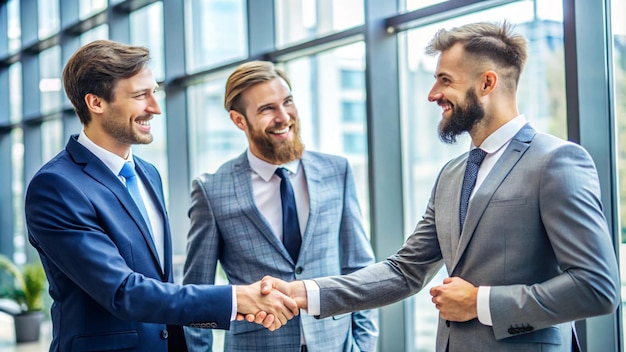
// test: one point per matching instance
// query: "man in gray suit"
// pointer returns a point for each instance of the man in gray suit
(534, 253)
(237, 219)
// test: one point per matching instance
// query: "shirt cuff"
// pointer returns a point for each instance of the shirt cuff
(233, 312)
(482, 305)
(313, 297)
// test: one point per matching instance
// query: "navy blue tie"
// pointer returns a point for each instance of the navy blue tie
(291, 228)
(475, 158)
(128, 172)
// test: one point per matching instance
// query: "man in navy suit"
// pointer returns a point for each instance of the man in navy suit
(109, 264)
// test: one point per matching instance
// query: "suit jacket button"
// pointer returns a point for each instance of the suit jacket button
(164, 334)
(299, 270)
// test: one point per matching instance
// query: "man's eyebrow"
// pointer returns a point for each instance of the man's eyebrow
(261, 107)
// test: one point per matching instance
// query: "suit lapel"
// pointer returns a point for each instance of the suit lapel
(313, 183)
(245, 199)
(157, 198)
(97, 170)
(479, 202)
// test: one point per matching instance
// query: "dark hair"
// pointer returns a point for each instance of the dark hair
(245, 76)
(96, 68)
(494, 42)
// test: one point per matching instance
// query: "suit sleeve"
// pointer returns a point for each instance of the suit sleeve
(357, 253)
(73, 231)
(203, 243)
(571, 212)
(387, 282)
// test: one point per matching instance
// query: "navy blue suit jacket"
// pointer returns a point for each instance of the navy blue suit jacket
(108, 288)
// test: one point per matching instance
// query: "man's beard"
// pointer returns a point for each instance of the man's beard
(122, 132)
(463, 119)
(277, 152)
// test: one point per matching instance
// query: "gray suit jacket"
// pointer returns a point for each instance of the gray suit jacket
(227, 226)
(534, 232)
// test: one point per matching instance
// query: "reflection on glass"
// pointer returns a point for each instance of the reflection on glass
(618, 22)
(156, 152)
(51, 143)
(215, 32)
(14, 30)
(17, 191)
(329, 91)
(213, 138)
(298, 20)
(410, 5)
(100, 32)
(49, 21)
(15, 93)
(87, 8)
(50, 85)
(541, 98)
(151, 37)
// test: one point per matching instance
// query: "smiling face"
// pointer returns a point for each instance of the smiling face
(270, 122)
(455, 92)
(124, 121)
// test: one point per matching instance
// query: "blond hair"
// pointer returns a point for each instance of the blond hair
(245, 76)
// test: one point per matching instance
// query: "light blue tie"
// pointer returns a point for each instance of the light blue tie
(128, 172)
(475, 158)
(291, 228)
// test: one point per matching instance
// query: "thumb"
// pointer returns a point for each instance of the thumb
(267, 284)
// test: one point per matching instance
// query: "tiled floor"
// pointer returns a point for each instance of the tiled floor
(7, 337)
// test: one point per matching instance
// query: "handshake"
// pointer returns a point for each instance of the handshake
(270, 302)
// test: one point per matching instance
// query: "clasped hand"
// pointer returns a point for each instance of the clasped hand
(455, 299)
(270, 302)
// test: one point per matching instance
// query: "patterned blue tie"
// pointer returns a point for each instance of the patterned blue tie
(474, 160)
(291, 228)
(128, 172)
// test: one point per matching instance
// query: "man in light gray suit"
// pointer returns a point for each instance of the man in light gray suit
(237, 219)
(534, 253)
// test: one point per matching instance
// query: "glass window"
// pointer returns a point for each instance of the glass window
(215, 32)
(87, 8)
(50, 85)
(410, 5)
(51, 135)
(618, 23)
(321, 99)
(299, 20)
(353, 111)
(99, 32)
(17, 190)
(213, 138)
(49, 21)
(152, 38)
(15, 93)
(541, 98)
(14, 30)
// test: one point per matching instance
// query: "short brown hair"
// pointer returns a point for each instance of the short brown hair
(245, 76)
(96, 68)
(495, 42)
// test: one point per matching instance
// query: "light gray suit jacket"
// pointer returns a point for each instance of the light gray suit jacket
(535, 233)
(227, 226)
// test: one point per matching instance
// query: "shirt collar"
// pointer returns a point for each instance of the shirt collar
(502, 135)
(113, 161)
(265, 170)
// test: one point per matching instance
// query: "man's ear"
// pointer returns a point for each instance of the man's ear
(239, 120)
(94, 103)
(488, 82)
